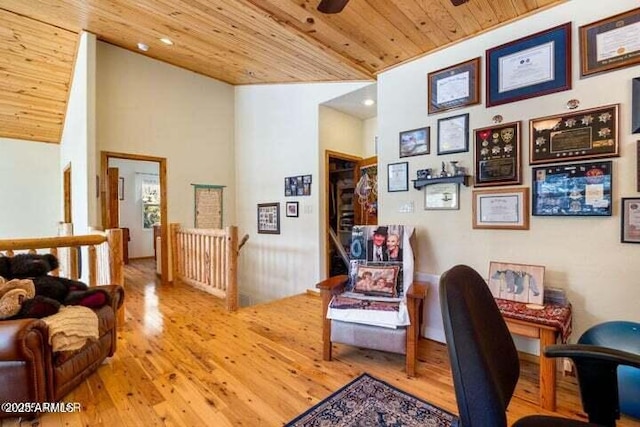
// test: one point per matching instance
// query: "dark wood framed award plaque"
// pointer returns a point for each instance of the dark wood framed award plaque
(579, 135)
(497, 155)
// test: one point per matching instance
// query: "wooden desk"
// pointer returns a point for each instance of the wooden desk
(547, 325)
(547, 335)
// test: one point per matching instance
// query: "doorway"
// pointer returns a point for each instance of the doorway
(66, 182)
(351, 190)
(110, 195)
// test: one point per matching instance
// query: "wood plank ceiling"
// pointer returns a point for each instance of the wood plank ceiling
(236, 41)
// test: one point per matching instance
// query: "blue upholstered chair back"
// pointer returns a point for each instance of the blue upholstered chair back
(625, 336)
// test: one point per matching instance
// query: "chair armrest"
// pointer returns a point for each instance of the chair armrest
(22, 339)
(334, 285)
(116, 292)
(593, 352)
(596, 370)
(417, 290)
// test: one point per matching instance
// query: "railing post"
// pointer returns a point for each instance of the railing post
(116, 266)
(175, 257)
(231, 262)
(93, 266)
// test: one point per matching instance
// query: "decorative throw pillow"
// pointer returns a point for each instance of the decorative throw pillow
(377, 280)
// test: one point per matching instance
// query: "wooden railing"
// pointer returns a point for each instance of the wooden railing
(207, 259)
(104, 250)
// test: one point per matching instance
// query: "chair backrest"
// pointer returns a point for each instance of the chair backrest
(484, 360)
(625, 336)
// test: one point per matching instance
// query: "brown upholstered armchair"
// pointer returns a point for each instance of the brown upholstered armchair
(32, 372)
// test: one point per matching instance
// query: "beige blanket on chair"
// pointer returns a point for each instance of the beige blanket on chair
(71, 327)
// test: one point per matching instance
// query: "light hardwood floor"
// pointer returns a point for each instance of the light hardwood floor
(183, 360)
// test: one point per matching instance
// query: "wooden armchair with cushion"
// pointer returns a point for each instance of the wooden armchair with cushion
(31, 371)
(377, 305)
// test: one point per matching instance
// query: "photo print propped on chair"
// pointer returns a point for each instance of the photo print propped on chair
(377, 246)
(517, 282)
(376, 252)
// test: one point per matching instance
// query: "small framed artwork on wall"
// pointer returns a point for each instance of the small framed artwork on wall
(453, 134)
(414, 142)
(269, 218)
(292, 209)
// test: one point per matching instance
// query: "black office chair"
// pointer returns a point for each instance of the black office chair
(485, 364)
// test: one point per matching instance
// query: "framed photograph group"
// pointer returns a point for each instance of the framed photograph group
(415, 142)
(630, 228)
(581, 189)
(610, 43)
(453, 134)
(585, 134)
(398, 177)
(297, 185)
(269, 218)
(535, 65)
(497, 155)
(454, 87)
(501, 208)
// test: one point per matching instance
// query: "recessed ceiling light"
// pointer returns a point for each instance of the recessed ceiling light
(143, 47)
(166, 41)
(368, 102)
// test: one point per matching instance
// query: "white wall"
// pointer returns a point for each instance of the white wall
(31, 189)
(581, 255)
(141, 239)
(77, 146)
(369, 133)
(148, 107)
(277, 136)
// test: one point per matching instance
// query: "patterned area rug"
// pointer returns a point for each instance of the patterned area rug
(367, 401)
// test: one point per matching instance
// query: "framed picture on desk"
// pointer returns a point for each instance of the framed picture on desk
(517, 282)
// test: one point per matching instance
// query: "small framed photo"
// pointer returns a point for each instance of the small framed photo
(121, 188)
(292, 209)
(453, 134)
(610, 43)
(454, 87)
(536, 65)
(269, 218)
(630, 229)
(497, 155)
(443, 196)
(578, 135)
(578, 189)
(501, 209)
(517, 282)
(398, 176)
(415, 142)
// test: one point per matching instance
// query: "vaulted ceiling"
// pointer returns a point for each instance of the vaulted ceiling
(236, 41)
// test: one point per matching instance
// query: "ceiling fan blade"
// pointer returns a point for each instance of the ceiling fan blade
(332, 6)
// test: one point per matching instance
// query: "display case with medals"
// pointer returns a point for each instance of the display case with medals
(497, 155)
(585, 134)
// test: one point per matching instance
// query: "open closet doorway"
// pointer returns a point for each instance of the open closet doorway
(348, 137)
(134, 196)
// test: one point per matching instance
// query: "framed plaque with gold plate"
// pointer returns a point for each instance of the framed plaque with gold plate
(497, 155)
(579, 135)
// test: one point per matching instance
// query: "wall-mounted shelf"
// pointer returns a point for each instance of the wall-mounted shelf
(460, 179)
